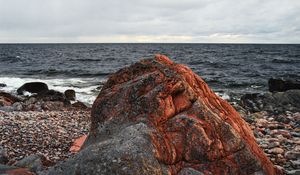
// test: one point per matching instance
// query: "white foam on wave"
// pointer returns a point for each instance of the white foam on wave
(85, 88)
(224, 95)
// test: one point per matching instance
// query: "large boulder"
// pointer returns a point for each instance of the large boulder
(33, 87)
(281, 84)
(158, 117)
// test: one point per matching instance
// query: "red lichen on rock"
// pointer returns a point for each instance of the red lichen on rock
(193, 128)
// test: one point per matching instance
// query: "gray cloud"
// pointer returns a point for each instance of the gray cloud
(271, 21)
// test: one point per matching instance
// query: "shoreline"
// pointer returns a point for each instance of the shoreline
(50, 131)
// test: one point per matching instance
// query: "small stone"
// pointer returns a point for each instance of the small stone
(3, 156)
(261, 122)
(296, 163)
(284, 133)
(273, 144)
(292, 155)
(4, 101)
(294, 172)
(33, 163)
(280, 168)
(297, 148)
(275, 126)
(276, 150)
(295, 134)
(18, 106)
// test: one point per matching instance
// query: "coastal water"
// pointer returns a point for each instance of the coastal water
(229, 69)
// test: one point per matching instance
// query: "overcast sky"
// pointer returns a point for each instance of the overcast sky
(197, 21)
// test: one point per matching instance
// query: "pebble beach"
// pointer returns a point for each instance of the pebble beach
(49, 133)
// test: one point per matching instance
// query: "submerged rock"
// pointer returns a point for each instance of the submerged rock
(158, 117)
(33, 87)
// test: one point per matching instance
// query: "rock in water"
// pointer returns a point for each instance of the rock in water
(70, 94)
(158, 117)
(2, 85)
(281, 85)
(33, 87)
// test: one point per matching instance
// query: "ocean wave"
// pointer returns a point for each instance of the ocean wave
(86, 89)
(67, 73)
(10, 59)
(288, 61)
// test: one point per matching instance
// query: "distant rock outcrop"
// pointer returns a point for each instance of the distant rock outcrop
(158, 117)
(274, 103)
(281, 85)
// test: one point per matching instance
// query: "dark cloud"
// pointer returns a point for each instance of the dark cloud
(273, 21)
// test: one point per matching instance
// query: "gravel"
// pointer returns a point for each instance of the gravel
(49, 133)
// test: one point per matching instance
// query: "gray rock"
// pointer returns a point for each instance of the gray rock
(189, 171)
(294, 172)
(4, 168)
(296, 163)
(70, 94)
(18, 106)
(33, 87)
(31, 100)
(3, 156)
(7, 108)
(277, 102)
(295, 134)
(282, 84)
(128, 151)
(53, 105)
(33, 163)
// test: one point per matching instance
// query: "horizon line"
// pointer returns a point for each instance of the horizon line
(145, 43)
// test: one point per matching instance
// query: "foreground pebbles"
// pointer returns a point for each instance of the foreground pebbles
(48, 133)
(279, 137)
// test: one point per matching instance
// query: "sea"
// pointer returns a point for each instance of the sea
(231, 70)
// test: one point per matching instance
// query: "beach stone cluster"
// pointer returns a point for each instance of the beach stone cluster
(37, 131)
(46, 133)
(274, 117)
(279, 136)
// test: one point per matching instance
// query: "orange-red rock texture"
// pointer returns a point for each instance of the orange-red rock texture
(158, 117)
